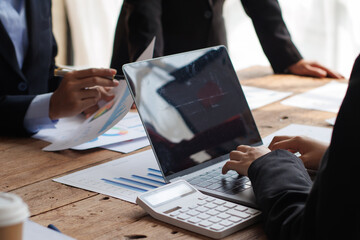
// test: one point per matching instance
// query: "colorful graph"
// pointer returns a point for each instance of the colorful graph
(116, 131)
(103, 110)
(152, 180)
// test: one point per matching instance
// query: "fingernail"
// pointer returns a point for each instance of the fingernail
(113, 71)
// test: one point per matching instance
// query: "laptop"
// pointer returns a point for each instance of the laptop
(195, 113)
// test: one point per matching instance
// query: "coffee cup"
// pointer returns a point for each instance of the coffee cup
(13, 213)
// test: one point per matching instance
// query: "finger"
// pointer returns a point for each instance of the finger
(87, 103)
(315, 72)
(90, 111)
(94, 72)
(90, 93)
(243, 148)
(278, 139)
(105, 95)
(230, 165)
(289, 144)
(330, 73)
(95, 81)
(236, 155)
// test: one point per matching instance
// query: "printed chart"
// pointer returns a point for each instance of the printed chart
(124, 178)
(130, 127)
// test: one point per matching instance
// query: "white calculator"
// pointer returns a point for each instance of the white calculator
(182, 205)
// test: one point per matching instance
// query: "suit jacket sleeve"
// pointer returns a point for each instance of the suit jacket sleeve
(272, 33)
(138, 23)
(292, 207)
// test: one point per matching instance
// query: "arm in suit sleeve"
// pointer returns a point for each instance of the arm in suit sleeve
(272, 33)
(292, 207)
(281, 185)
(138, 23)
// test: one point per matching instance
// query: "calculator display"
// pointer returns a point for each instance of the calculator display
(168, 194)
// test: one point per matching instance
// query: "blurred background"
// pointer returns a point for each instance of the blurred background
(327, 31)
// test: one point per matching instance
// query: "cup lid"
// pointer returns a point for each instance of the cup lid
(13, 210)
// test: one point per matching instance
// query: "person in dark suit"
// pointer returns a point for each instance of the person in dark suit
(27, 64)
(184, 25)
(295, 208)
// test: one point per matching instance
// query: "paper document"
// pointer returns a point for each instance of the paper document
(34, 231)
(319, 133)
(128, 146)
(130, 127)
(259, 97)
(101, 121)
(72, 132)
(326, 98)
(124, 178)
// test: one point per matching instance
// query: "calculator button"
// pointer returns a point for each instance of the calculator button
(238, 213)
(173, 214)
(219, 202)
(241, 208)
(212, 212)
(214, 219)
(183, 216)
(193, 206)
(194, 220)
(216, 227)
(235, 219)
(200, 203)
(221, 209)
(203, 197)
(184, 210)
(203, 216)
(192, 213)
(230, 205)
(210, 205)
(210, 199)
(252, 211)
(205, 223)
(223, 215)
(226, 223)
(201, 209)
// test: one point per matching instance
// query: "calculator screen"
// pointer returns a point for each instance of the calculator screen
(168, 194)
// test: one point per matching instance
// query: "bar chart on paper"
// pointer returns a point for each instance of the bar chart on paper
(123, 178)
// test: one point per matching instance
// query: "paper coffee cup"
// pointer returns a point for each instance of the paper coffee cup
(13, 213)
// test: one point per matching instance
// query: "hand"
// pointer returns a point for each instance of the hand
(241, 159)
(104, 95)
(312, 69)
(80, 91)
(311, 150)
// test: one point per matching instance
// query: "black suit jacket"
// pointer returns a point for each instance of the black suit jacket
(293, 207)
(184, 25)
(19, 86)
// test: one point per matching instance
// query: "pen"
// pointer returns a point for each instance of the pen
(60, 72)
(51, 226)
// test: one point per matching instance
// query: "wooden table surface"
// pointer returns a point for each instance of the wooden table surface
(28, 171)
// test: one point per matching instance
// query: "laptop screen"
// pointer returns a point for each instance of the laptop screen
(192, 107)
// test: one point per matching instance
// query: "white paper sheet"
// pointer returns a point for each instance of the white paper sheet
(128, 146)
(130, 127)
(326, 98)
(319, 133)
(124, 178)
(259, 97)
(34, 231)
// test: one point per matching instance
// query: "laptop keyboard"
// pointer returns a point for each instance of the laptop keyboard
(230, 183)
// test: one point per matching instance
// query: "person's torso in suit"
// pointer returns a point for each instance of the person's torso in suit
(19, 86)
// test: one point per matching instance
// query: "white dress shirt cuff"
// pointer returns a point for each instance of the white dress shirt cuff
(37, 115)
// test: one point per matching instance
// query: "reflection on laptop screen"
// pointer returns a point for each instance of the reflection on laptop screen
(192, 107)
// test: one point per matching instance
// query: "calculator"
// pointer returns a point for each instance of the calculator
(182, 205)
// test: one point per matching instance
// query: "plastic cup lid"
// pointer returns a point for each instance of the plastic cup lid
(13, 210)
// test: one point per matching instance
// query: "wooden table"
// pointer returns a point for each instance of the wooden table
(28, 171)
